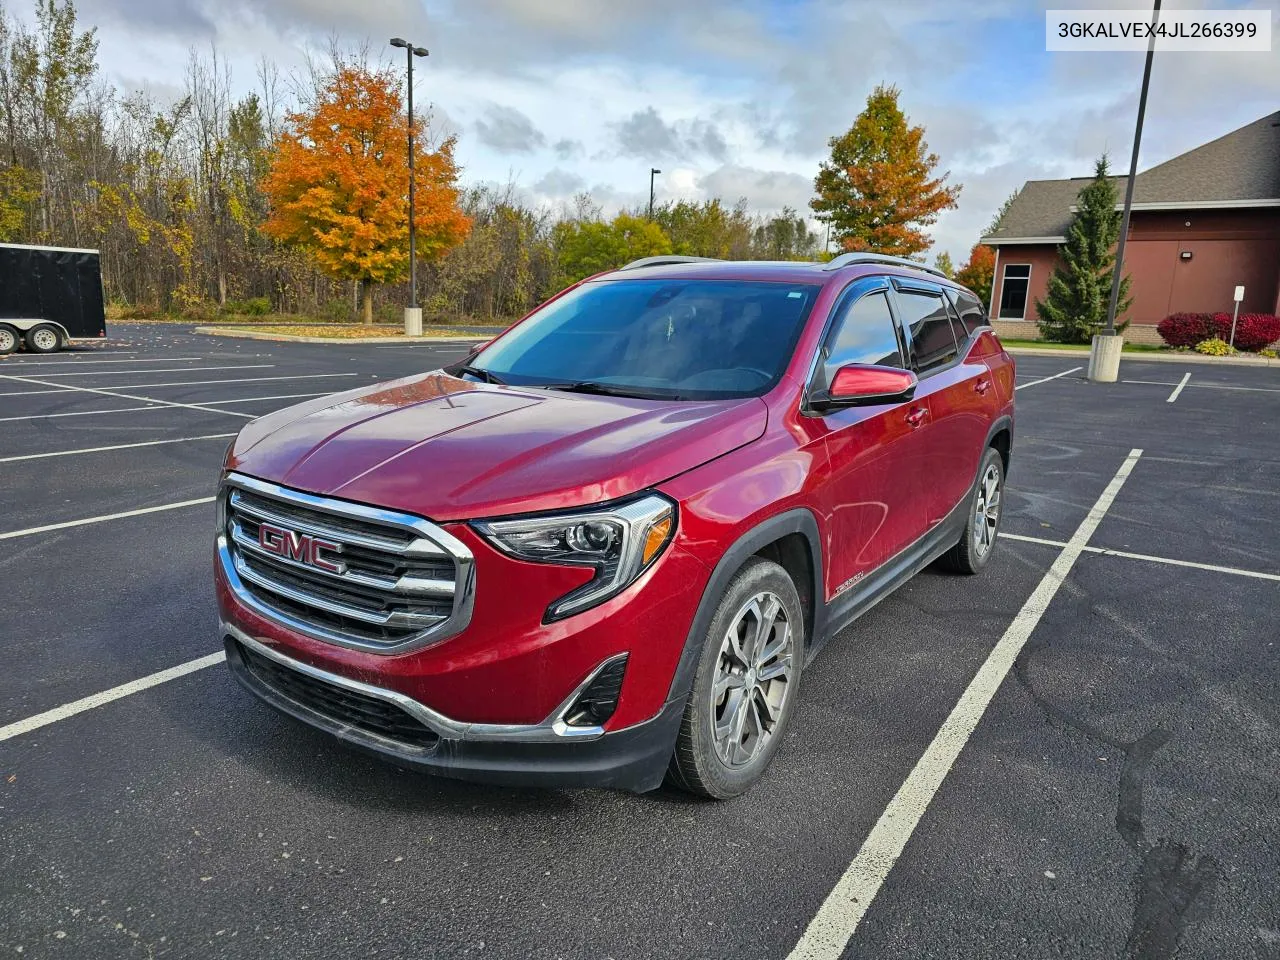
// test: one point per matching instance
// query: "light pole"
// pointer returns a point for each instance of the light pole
(653, 172)
(1104, 357)
(412, 313)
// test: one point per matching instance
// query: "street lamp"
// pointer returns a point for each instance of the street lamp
(412, 313)
(1104, 355)
(653, 172)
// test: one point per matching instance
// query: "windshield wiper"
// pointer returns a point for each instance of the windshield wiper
(488, 376)
(603, 389)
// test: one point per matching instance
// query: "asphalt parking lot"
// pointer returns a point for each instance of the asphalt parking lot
(1075, 754)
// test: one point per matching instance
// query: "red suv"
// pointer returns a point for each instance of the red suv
(602, 549)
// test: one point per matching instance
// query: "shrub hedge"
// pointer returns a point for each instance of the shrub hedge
(1254, 331)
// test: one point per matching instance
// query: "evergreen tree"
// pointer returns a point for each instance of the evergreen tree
(1075, 307)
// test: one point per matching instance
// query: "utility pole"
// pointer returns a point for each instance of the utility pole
(1104, 356)
(412, 313)
(653, 171)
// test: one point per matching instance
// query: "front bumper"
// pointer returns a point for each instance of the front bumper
(542, 755)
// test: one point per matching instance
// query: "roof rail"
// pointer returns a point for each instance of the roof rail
(667, 259)
(847, 259)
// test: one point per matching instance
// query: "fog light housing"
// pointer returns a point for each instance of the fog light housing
(599, 699)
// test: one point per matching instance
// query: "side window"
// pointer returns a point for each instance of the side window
(927, 317)
(1013, 291)
(864, 334)
(972, 316)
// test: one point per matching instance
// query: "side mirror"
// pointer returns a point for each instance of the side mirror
(863, 385)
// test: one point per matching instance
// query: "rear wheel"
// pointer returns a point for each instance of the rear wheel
(8, 339)
(746, 685)
(43, 338)
(974, 550)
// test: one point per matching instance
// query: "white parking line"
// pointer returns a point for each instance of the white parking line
(1179, 388)
(1022, 386)
(1205, 386)
(119, 446)
(107, 696)
(31, 531)
(157, 405)
(1168, 561)
(76, 363)
(123, 396)
(125, 373)
(149, 386)
(837, 919)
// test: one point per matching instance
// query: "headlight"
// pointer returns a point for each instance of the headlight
(619, 542)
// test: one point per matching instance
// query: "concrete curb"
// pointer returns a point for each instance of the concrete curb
(1188, 357)
(337, 341)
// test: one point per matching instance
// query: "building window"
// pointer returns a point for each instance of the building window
(1013, 292)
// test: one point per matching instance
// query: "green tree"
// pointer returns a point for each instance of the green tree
(878, 190)
(706, 229)
(1075, 306)
(584, 247)
(994, 225)
(784, 237)
(943, 262)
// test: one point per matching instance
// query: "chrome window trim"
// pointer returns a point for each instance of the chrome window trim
(551, 730)
(432, 542)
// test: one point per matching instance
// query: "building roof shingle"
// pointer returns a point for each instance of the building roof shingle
(1241, 166)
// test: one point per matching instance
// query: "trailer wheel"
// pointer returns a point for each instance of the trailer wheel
(43, 338)
(8, 339)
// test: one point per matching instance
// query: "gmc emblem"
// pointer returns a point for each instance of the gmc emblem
(300, 547)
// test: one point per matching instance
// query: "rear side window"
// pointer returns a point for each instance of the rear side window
(972, 316)
(932, 341)
(864, 334)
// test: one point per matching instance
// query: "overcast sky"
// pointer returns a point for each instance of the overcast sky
(730, 98)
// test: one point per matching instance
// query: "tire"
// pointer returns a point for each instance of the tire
(728, 766)
(9, 339)
(43, 338)
(972, 554)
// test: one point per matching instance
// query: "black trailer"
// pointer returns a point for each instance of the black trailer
(48, 297)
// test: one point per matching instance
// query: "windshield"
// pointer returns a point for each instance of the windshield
(668, 339)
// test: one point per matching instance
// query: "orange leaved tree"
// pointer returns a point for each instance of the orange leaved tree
(979, 272)
(339, 183)
(878, 189)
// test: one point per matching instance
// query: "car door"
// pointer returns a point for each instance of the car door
(955, 387)
(870, 502)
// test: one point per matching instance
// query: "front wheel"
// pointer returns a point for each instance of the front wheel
(974, 550)
(43, 338)
(746, 686)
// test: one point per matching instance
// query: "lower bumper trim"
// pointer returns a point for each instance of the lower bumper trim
(634, 759)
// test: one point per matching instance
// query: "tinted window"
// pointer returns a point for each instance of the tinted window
(864, 334)
(972, 316)
(692, 339)
(1013, 291)
(926, 316)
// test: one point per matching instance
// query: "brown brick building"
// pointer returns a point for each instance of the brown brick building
(1202, 223)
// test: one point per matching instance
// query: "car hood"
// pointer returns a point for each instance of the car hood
(450, 449)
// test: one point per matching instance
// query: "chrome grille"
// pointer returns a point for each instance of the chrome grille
(399, 580)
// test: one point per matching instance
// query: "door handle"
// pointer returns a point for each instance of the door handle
(916, 416)
(983, 385)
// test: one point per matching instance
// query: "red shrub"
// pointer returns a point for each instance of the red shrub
(1186, 329)
(1254, 331)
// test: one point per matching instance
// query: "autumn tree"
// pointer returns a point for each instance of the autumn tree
(584, 247)
(1075, 305)
(979, 271)
(943, 262)
(339, 183)
(878, 190)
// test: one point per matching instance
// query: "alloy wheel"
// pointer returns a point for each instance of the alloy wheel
(753, 679)
(986, 513)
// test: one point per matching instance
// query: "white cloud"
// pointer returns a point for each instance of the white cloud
(730, 97)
